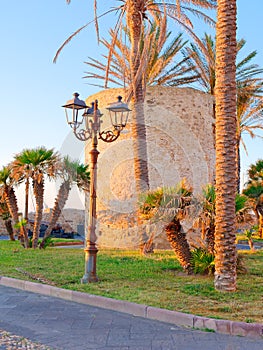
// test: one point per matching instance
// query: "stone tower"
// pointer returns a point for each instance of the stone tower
(180, 142)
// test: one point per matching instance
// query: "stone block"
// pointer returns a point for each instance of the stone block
(12, 282)
(254, 330)
(108, 303)
(174, 317)
(61, 293)
(37, 288)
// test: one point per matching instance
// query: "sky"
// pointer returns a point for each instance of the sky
(33, 88)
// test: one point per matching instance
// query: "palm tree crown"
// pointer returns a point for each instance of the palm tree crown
(254, 190)
(38, 162)
(249, 86)
(248, 78)
(160, 67)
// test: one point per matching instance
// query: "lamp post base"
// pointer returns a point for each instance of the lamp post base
(90, 264)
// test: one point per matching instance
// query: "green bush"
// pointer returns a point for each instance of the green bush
(202, 261)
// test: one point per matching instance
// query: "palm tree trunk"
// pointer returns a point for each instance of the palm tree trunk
(9, 228)
(60, 202)
(24, 229)
(238, 160)
(260, 226)
(11, 202)
(26, 199)
(179, 243)
(210, 239)
(39, 195)
(225, 249)
(134, 23)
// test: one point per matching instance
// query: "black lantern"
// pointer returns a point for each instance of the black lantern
(75, 104)
(119, 113)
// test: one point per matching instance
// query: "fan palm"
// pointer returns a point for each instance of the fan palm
(70, 172)
(254, 190)
(170, 205)
(249, 87)
(38, 163)
(206, 217)
(21, 172)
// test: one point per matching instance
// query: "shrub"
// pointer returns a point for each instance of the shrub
(202, 261)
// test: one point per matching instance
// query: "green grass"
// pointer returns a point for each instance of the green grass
(157, 280)
(65, 240)
(243, 237)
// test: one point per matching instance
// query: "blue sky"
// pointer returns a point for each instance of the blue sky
(32, 88)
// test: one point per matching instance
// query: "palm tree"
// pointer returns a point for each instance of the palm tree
(21, 172)
(6, 216)
(254, 190)
(70, 172)
(206, 217)
(226, 140)
(171, 205)
(138, 12)
(9, 196)
(38, 163)
(249, 86)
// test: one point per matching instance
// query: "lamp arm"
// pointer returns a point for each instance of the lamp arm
(83, 135)
(109, 135)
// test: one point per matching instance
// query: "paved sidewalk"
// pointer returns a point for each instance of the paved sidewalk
(63, 324)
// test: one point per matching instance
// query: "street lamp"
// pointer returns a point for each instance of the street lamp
(87, 127)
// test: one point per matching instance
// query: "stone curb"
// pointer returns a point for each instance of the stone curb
(254, 330)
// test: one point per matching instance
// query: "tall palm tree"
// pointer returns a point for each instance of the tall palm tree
(226, 166)
(136, 13)
(70, 172)
(249, 86)
(21, 171)
(39, 162)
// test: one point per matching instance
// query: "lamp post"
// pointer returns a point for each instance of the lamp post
(87, 127)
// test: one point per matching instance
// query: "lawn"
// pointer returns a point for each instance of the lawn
(157, 280)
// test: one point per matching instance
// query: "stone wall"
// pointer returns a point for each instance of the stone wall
(180, 141)
(69, 219)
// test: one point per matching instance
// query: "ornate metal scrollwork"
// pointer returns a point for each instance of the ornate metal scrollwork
(83, 135)
(109, 135)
